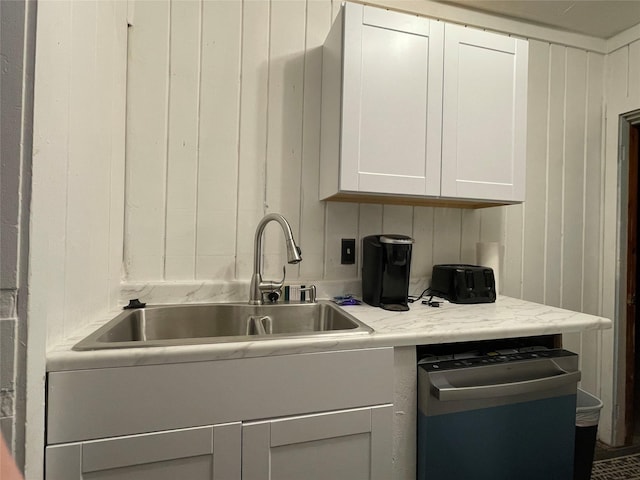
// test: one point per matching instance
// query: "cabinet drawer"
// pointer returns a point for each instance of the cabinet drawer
(99, 403)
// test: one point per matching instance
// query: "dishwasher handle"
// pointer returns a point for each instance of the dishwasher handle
(444, 391)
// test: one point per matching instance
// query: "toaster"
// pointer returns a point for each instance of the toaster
(463, 283)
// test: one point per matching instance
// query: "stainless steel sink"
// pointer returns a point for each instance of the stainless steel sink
(169, 325)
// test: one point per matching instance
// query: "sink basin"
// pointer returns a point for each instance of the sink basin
(169, 325)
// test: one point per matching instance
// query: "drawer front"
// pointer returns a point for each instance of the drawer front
(99, 403)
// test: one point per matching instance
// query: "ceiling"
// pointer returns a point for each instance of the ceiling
(596, 18)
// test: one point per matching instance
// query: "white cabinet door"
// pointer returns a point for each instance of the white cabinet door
(392, 102)
(347, 445)
(201, 453)
(484, 115)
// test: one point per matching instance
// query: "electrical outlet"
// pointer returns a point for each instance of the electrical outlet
(348, 251)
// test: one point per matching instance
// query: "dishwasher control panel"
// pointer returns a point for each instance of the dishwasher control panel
(476, 359)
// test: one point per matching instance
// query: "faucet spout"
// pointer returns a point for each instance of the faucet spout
(259, 287)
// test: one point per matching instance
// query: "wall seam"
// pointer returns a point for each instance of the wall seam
(302, 136)
(166, 153)
(238, 132)
(564, 167)
(265, 169)
(584, 175)
(67, 171)
(198, 131)
(546, 203)
(584, 189)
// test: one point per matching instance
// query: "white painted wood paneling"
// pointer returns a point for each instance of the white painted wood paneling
(284, 128)
(253, 130)
(217, 200)
(369, 223)
(533, 263)
(77, 163)
(593, 176)
(50, 159)
(591, 301)
(312, 212)
(112, 77)
(341, 222)
(554, 181)
(422, 251)
(88, 178)
(182, 139)
(147, 123)
(447, 239)
(397, 219)
(573, 178)
(634, 72)
(469, 235)
(77, 206)
(513, 252)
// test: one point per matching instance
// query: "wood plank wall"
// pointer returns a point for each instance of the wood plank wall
(562, 213)
(223, 127)
(78, 169)
(201, 177)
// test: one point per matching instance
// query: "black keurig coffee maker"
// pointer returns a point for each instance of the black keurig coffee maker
(386, 264)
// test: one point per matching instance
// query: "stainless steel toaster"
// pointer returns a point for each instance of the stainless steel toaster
(461, 283)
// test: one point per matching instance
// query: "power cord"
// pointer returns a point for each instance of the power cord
(431, 303)
(412, 299)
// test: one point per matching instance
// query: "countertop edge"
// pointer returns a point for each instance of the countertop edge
(507, 318)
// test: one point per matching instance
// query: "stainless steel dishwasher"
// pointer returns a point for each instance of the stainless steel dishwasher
(502, 416)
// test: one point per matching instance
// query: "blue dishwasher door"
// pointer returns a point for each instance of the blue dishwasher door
(508, 421)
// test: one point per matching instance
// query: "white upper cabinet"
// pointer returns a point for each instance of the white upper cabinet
(382, 103)
(484, 115)
(416, 108)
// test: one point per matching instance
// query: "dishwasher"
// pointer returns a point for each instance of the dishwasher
(501, 415)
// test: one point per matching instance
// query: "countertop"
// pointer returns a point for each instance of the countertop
(506, 318)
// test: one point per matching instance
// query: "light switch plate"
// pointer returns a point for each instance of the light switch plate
(348, 251)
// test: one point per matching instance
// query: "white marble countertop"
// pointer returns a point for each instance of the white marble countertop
(506, 318)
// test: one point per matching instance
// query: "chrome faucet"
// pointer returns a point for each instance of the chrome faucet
(260, 287)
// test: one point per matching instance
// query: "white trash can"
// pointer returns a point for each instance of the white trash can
(587, 416)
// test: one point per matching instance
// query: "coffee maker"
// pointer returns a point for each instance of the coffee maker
(386, 264)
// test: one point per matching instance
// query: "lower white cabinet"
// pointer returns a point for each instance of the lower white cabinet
(347, 445)
(201, 453)
(324, 415)
(351, 445)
